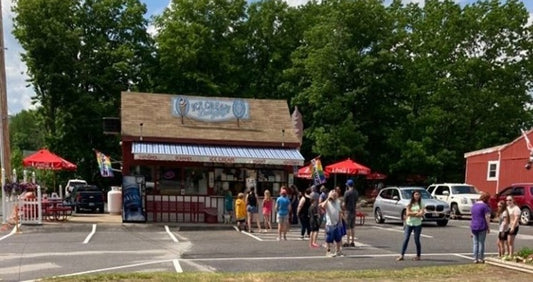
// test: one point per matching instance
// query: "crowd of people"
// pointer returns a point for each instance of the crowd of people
(313, 209)
(335, 213)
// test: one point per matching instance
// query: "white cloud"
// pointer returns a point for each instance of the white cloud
(18, 95)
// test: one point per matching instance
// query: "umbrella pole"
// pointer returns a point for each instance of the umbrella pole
(335, 181)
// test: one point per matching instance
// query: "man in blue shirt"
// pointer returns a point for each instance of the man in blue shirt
(283, 209)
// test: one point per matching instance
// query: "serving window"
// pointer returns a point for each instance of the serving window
(182, 181)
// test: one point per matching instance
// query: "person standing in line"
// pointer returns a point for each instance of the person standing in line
(340, 198)
(228, 205)
(503, 228)
(252, 210)
(240, 212)
(294, 197)
(267, 210)
(314, 220)
(323, 196)
(350, 201)
(480, 226)
(333, 224)
(413, 223)
(514, 216)
(283, 210)
(303, 213)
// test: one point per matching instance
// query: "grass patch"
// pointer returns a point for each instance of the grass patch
(474, 272)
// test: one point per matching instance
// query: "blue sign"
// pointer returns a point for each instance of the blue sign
(209, 109)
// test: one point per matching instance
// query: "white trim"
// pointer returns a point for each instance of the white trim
(496, 170)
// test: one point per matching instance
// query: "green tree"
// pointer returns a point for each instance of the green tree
(198, 47)
(272, 32)
(466, 84)
(80, 55)
(344, 52)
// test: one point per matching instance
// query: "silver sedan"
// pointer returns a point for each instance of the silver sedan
(392, 202)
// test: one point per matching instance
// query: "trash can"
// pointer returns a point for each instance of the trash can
(114, 200)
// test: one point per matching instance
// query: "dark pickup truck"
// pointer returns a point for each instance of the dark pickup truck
(86, 197)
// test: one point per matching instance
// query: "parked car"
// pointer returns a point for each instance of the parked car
(459, 196)
(86, 197)
(73, 183)
(522, 194)
(391, 203)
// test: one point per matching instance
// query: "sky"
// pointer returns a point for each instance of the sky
(19, 93)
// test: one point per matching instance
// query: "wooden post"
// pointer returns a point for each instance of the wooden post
(4, 122)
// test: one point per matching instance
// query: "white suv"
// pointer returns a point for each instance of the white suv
(71, 183)
(459, 196)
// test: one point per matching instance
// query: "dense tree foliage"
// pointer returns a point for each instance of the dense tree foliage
(80, 55)
(404, 89)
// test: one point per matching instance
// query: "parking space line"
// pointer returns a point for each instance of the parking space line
(11, 233)
(171, 235)
(113, 268)
(177, 266)
(464, 256)
(400, 230)
(394, 255)
(248, 234)
(90, 235)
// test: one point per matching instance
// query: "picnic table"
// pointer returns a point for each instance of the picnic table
(55, 210)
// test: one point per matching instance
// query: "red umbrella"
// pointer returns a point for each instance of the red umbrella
(305, 172)
(44, 159)
(347, 167)
(376, 176)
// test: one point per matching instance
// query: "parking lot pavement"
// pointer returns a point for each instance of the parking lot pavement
(68, 248)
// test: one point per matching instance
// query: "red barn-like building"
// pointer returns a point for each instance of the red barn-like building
(493, 169)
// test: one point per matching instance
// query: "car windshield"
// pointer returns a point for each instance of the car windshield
(406, 193)
(464, 189)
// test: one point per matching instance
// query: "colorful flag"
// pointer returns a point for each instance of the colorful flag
(104, 164)
(318, 173)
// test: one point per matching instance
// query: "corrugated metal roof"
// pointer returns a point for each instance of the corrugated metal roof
(216, 154)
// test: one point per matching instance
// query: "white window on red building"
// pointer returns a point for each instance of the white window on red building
(492, 170)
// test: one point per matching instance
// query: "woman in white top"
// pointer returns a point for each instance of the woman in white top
(514, 216)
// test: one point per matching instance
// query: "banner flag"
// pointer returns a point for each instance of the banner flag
(317, 172)
(104, 164)
(528, 144)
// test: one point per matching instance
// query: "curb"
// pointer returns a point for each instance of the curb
(510, 265)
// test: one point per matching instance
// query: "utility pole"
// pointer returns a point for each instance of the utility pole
(4, 121)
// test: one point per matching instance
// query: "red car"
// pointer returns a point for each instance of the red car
(522, 194)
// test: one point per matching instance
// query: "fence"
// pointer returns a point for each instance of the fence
(23, 211)
(190, 209)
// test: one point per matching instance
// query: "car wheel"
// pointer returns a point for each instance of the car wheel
(442, 222)
(378, 216)
(525, 215)
(454, 212)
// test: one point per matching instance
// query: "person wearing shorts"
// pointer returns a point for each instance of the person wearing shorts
(240, 211)
(514, 216)
(283, 209)
(252, 210)
(503, 228)
(350, 200)
(332, 206)
(314, 220)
